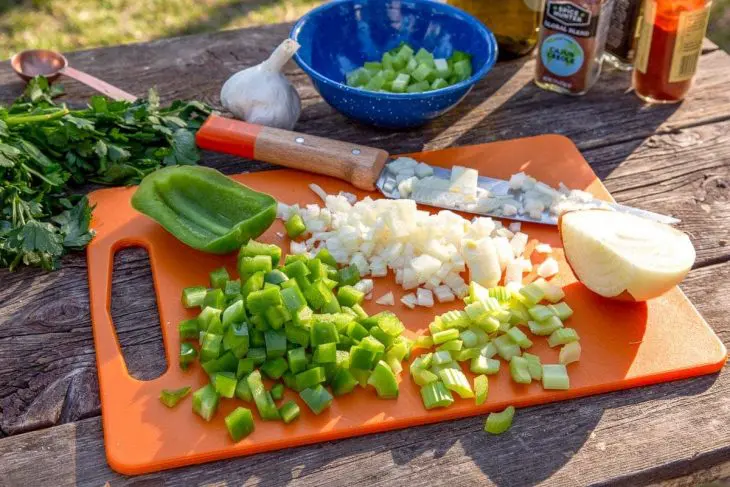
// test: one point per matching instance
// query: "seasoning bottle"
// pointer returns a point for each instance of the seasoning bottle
(669, 48)
(571, 43)
(514, 22)
(622, 34)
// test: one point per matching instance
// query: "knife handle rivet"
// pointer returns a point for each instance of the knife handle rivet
(356, 152)
(299, 140)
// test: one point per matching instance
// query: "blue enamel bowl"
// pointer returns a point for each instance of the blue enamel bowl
(341, 35)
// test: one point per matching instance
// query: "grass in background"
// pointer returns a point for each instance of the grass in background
(68, 25)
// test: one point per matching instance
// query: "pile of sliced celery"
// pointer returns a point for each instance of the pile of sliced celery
(404, 70)
(494, 325)
(296, 323)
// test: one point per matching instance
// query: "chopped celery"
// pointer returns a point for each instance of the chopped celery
(422, 72)
(317, 398)
(561, 310)
(498, 423)
(358, 77)
(423, 361)
(423, 376)
(436, 395)
(569, 353)
(440, 358)
(467, 354)
(555, 376)
(562, 336)
(484, 365)
(219, 277)
(519, 337)
(295, 226)
(519, 370)
(545, 328)
(419, 87)
(193, 296)
(531, 294)
(533, 365)
(451, 345)
(170, 398)
(506, 347)
(489, 350)
(456, 381)
(205, 402)
(239, 423)
(540, 312)
(481, 389)
(469, 338)
(445, 336)
(289, 411)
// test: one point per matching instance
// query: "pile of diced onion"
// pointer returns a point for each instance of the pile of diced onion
(408, 178)
(425, 251)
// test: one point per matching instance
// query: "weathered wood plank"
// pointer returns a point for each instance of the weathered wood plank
(633, 437)
(56, 364)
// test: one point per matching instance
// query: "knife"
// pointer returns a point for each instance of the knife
(359, 165)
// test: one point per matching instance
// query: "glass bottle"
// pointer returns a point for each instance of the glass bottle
(669, 48)
(514, 22)
(622, 34)
(571, 44)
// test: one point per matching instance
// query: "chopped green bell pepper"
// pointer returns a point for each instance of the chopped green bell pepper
(289, 411)
(310, 378)
(277, 391)
(205, 402)
(236, 339)
(189, 329)
(262, 397)
(295, 226)
(258, 301)
(219, 277)
(240, 423)
(243, 392)
(193, 296)
(225, 383)
(275, 368)
(384, 381)
(203, 208)
(245, 367)
(188, 354)
(170, 397)
(317, 398)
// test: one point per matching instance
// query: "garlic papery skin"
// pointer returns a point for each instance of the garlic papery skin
(262, 94)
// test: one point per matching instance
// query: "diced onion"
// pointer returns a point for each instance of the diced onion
(318, 191)
(543, 248)
(410, 300)
(548, 267)
(424, 298)
(386, 299)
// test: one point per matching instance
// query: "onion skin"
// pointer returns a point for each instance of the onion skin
(625, 295)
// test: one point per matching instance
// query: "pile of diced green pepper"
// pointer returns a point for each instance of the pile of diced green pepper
(298, 322)
(404, 70)
(489, 327)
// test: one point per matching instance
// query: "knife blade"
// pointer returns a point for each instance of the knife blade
(362, 166)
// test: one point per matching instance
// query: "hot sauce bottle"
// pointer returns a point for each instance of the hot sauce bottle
(670, 44)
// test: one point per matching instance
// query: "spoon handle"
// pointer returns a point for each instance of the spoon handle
(101, 86)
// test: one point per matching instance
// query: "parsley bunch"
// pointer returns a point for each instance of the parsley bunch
(48, 151)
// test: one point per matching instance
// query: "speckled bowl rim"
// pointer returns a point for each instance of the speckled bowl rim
(487, 35)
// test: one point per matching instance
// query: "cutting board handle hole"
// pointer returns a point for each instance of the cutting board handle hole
(133, 297)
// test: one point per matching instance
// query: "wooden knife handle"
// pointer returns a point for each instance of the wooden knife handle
(357, 164)
(101, 86)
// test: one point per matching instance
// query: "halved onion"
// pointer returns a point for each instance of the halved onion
(618, 255)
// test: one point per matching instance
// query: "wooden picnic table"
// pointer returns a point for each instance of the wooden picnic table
(669, 159)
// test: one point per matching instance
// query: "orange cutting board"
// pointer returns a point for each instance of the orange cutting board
(624, 344)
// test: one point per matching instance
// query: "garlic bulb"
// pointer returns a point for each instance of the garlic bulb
(261, 94)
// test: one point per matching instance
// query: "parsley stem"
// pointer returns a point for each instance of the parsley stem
(21, 119)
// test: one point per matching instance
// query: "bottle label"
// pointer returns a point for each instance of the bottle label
(569, 18)
(688, 47)
(645, 36)
(562, 55)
